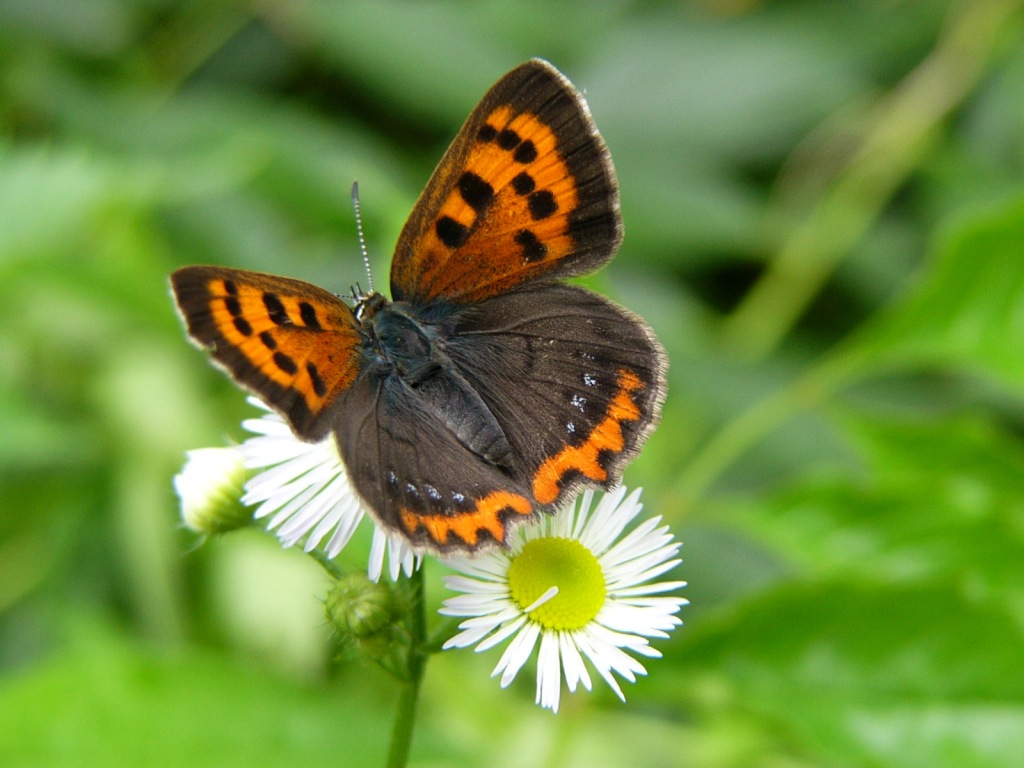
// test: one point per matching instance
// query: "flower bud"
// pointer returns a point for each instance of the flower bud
(359, 608)
(210, 488)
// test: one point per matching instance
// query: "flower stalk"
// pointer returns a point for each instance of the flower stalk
(416, 666)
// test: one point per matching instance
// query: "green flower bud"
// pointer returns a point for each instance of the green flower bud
(360, 608)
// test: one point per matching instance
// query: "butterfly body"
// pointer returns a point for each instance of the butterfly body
(405, 359)
(487, 392)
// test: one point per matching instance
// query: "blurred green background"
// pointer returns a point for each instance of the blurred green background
(824, 208)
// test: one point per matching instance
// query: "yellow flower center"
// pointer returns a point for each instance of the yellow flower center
(567, 565)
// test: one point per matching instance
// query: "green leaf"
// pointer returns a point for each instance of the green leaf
(942, 500)
(46, 200)
(867, 673)
(107, 702)
(968, 312)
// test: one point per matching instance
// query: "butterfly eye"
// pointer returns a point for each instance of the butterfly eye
(368, 306)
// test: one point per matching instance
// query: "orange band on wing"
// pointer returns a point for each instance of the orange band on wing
(531, 198)
(466, 527)
(585, 458)
(248, 301)
(303, 347)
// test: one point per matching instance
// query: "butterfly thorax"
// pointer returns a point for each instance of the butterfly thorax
(404, 354)
(397, 343)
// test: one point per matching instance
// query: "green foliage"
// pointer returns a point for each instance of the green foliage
(105, 701)
(824, 207)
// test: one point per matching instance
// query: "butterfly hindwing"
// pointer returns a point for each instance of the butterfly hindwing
(536, 393)
(575, 382)
(289, 342)
(527, 190)
(415, 473)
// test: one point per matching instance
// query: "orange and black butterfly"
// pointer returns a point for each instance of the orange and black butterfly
(486, 391)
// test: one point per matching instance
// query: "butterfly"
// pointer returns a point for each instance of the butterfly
(486, 392)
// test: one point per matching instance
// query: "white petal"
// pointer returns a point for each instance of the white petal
(641, 569)
(517, 654)
(643, 590)
(609, 520)
(549, 593)
(396, 557)
(572, 663)
(351, 516)
(506, 614)
(487, 567)
(326, 511)
(600, 663)
(502, 634)
(475, 586)
(376, 564)
(611, 643)
(283, 504)
(583, 504)
(560, 524)
(469, 636)
(549, 672)
(628, 619)
(474, 605)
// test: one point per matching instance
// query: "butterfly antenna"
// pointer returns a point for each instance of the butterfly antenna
(362, 239)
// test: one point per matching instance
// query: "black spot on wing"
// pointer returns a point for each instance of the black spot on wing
(525, 152)
(523, 183)
(477, 193)
(314, 376)
(508, 139)
(533, 249)
(450, 232)
(242, 326)
(285, 363)
(487, 133)
(308, 314)
(542, 204)
(275, 309)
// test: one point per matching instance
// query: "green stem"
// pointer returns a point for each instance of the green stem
(405, 717)
(327, 564)
(448, 628)
(894, 142)
(842, 367)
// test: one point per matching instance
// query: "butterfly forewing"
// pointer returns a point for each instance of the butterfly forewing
(291, 343)
(526, 191)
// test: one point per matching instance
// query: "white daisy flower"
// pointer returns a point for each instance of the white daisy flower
(571, 583)
(304, 489)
